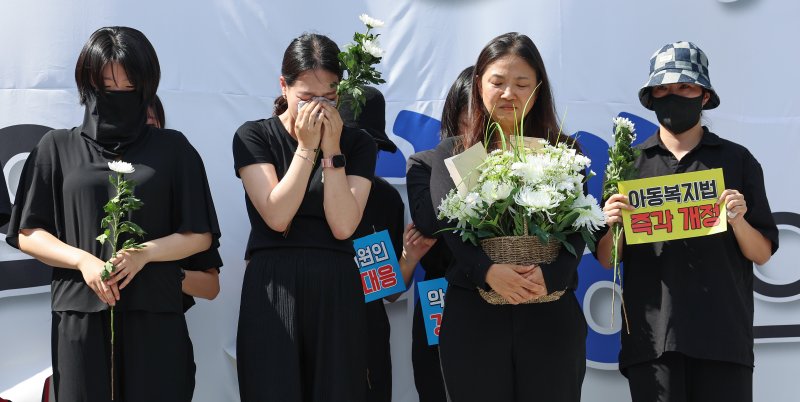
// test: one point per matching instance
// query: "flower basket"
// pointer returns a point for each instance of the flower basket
(520, 250)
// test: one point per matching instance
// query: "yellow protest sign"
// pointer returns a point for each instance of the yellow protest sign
(677, 206)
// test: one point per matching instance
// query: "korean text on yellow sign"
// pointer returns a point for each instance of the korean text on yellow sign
(677, 206)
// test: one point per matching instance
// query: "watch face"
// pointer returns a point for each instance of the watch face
(338, 161)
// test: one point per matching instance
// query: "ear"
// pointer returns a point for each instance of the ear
(706, 97)
(284, 87)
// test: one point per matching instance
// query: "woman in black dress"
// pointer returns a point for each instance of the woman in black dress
(307, 179)
(425, 359)
(517, 352)
(690, 302)
(56, 219)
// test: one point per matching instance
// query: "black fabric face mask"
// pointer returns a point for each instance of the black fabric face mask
(114, 120)
(677, 113)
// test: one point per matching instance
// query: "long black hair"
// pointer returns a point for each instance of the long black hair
(307, 52)
(456, 103)
(123, 45)
(541, 120)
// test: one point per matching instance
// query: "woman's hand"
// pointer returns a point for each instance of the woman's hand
(613, 208)
(92, 268)
(510, 281)
(308, 125)
(415, 245)
(128, 263)
(332, 130)
(736, 205)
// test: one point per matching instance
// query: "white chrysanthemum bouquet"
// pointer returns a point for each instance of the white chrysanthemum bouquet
(357, 60)
(525, 192)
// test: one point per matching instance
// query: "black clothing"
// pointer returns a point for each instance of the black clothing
(153, 359)
(267, 141)
(512, 353)
(423, 213)
(302, 317)
(384, 211)
(5, 203)
(675, 377)
(695, 296)
(302, 331)
(425, 358)
(507, 353)
(114, 121)
(65, 185)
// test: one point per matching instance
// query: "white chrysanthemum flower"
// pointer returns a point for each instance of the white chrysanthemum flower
(624, 122)
(534, 200)
(532, 171)
(121, 167)
(370, 22)
(373, 48)
(591, 216)
(492, 191)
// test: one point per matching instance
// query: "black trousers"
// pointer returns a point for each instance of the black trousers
(302, 331)
(425, 359)
(534, 352)
(675, 377)
(379, 359)
(153, 359)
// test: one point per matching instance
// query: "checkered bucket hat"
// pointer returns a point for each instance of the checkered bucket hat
(676, 63)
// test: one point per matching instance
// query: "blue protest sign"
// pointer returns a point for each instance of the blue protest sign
(431, 297)
(377, 263)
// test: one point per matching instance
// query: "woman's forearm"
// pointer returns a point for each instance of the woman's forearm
(176, 246)
(278, 201)
(604, 247)
(343, 208)
(204, 284)
(40, 244)
(753, 244)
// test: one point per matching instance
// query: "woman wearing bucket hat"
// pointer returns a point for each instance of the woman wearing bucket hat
(384, 211)
(690, 302)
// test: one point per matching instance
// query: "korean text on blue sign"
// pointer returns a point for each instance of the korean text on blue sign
(431, 297)
(377, 263)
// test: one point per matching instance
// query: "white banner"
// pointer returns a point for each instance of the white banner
(220, 64)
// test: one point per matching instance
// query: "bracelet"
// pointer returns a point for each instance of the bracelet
(304, 157)
(308, 149)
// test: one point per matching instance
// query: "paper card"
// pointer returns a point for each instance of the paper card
(463, 168)
(378, 265)
(672, 207)
(431, 295)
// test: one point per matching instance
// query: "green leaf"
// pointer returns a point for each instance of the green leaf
(103, 237)
(130, 227)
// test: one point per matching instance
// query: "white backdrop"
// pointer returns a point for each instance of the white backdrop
(220, 64)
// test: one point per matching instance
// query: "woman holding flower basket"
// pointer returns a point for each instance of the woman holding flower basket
(307, 178)
(512, 328)
(137, 350)
(689, 302)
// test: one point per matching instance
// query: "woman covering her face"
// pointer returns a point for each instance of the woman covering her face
(690, 302)
(307, 179)
(518, 351)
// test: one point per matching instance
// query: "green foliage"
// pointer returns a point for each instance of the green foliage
(358, 64)
(114, 223)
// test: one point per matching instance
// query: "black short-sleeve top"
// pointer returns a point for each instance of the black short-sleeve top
(65, 183)
(5, 203)
(695, 296)
(267, 141)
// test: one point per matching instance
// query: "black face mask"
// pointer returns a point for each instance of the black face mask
(677, 113)
(114, 120)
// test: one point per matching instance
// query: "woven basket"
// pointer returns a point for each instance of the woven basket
(520, 250)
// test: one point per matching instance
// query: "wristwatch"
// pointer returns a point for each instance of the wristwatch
(335, 161)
